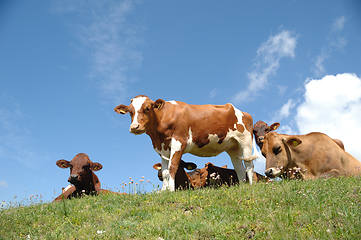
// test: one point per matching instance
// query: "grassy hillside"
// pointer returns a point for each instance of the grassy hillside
(322, 209)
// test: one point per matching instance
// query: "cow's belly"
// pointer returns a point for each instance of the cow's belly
(213, 148)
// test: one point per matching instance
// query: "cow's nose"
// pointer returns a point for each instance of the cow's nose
(261, 138)
(73, 178)
(134, 127)
(269, 173)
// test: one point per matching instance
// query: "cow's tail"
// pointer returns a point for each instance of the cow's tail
(254, 155)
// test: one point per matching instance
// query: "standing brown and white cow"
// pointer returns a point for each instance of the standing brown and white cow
(310, 156)
(176, 128)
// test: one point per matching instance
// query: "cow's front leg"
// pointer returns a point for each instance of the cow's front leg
(165, 173)
(175, 158)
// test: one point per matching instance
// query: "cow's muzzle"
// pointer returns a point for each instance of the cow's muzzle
(272, 172)
(136, 129)
(73, 179)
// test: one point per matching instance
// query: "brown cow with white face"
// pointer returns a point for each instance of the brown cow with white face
(309, 156)
(176, 128)
(82, 177)
(260, 129)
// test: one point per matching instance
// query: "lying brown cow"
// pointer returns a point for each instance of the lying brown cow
(309, 156)
(176, 128)
(82, 177)
(182, 179)
(210, 175)
(260, 129)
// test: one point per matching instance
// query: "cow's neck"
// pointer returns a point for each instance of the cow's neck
(156, 136)
(87, 186)
(291, 163)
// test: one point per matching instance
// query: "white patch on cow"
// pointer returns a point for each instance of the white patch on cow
(164, 153)
(67, 188)
(137, 104)
(190, 143)
(173, 102)
(239, 116)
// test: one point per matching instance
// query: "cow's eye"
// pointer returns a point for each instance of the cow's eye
(254, 131)
(277, 150)
(267, 130)
(146, 109)
(86, 167)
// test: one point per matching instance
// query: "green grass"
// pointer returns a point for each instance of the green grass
(321, 209)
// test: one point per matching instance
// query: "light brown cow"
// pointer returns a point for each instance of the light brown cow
(176, 128)
(260, 129)
(308, 156)
(82, 177)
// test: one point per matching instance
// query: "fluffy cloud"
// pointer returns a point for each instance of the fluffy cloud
(332, 105)
(268, 59)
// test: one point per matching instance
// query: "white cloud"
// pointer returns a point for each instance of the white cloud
(284, 112)
(109, 40)
(4, 184)
(334, 42)
(339, 24)
(213, 93)
(268, 59)
(332, 105)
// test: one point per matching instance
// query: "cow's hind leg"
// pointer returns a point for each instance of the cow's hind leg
(244, 150)
(331, 173)
(237, 164)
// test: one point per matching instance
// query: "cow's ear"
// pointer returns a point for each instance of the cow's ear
(63, 163)
(121, 109)
(225, 166)
(157, 166)
(190, 165)
(274, 126)
(159, 103)
(96, 166)
(293, 141)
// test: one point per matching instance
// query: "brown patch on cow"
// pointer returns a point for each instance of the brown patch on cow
(201, 141)
(241, 128)
(221, 137)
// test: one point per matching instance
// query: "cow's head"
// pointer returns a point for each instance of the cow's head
(80, 168)
(141, 111)
(182, 165)
(201, 177)
(260, 129)
(277, 149)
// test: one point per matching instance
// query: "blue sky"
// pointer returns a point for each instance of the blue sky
(65, 65)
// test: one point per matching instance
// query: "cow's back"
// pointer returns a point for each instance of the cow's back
(319, 154)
